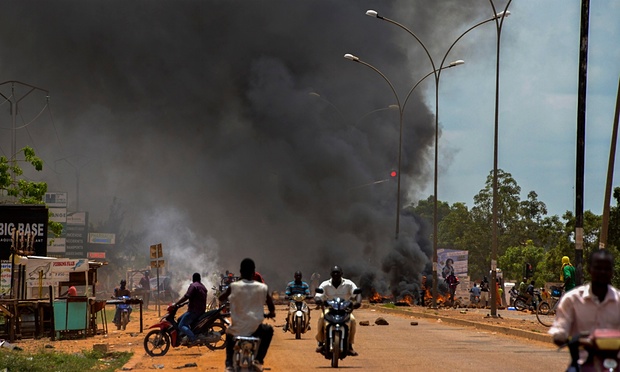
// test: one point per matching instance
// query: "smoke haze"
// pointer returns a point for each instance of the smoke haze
(196, 115)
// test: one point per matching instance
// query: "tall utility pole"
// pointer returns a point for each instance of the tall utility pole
(581, 138)
(610, 173)
(14, 100)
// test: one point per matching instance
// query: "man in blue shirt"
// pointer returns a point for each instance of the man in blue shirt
(294, 287)
(197, 296)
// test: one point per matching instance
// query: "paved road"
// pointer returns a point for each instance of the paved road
(429, 346)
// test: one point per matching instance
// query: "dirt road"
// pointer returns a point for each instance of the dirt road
(429, 346)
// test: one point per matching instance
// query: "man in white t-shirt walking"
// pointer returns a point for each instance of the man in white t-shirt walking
(247, 299)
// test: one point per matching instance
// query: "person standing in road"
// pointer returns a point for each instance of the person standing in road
(197, 296)
(145, 285)
(474, 297)
(484, 292)
(247, 299)
(591, 306)
(337, 286)
(567, 275)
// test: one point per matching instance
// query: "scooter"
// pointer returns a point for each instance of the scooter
(209, 328)
(601, 351)
(124, 309)
(337, 321)
(298, 315)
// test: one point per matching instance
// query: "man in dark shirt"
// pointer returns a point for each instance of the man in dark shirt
(145, 285)
(294, 287)
(197, 296)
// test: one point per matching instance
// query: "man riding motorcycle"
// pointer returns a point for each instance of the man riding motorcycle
(591, 306)
(197, 296)
(337, 286)
(295, 287)
(119, 292)
(247, 298)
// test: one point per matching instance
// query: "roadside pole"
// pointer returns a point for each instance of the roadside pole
(157, 261)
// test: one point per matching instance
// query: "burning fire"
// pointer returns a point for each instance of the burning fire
(376, 298)
(428, 298)
(405, 300)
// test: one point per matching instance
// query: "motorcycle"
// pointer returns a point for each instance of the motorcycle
(298, 315)
(209, 328)
(337, 320)
(601, 351)
(124, 309)
(245, 350)
(521, 302)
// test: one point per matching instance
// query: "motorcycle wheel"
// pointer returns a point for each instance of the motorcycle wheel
(221, 343)
(336, 351)
(157, 343)
(124, 319)
(298, 328)
(520, 304)
(543, 314)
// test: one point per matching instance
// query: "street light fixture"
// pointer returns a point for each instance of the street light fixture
(356, 122)
(401, 110)
(437, 73)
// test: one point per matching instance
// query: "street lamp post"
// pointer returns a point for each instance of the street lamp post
(437, 73)
(401, 110)
(498, 26)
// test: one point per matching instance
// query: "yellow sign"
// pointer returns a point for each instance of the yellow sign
(157, 251)
(157, 263)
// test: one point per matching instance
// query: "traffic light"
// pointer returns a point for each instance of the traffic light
(393, 174)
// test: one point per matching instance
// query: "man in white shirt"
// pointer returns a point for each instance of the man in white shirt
(591, 306)
(247, 299)
(340, 287)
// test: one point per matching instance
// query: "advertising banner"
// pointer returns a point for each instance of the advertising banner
(47, 272)
(459, 260)
(56, 199)
(26, 218)
(76, 233)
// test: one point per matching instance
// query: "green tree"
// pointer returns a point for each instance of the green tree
(23, 190)
(425, 209)
(512, 262)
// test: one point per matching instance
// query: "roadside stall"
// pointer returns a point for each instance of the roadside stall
(38, 308)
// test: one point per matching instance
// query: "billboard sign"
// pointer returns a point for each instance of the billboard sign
(459, 259)
(101, 238)
(76, 233)
(56, 199)
(27, 219)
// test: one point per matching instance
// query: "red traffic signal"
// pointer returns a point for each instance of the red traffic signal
(393, 173)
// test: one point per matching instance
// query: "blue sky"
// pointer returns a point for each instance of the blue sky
(538, 105)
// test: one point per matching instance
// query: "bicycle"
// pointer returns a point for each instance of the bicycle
(545, 312)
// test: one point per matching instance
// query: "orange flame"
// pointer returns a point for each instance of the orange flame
(376, 298)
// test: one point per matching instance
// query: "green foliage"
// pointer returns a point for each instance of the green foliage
(513, 262)
(525, 233)
(44, 361)
(26, 192)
